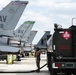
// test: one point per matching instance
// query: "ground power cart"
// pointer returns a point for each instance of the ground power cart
(62, 60)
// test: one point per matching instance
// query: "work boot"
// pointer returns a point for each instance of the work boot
(38, 70)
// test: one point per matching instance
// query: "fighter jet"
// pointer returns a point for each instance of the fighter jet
(9, 17)
(21, 35)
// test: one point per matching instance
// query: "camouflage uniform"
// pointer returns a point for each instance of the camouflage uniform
(37, 54)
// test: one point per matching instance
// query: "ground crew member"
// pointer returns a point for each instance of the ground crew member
(37, 55)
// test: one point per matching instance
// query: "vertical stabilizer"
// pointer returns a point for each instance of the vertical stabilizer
(43, 41)
(10, 15)
(28, 30)
(18, 33)
(31, 37)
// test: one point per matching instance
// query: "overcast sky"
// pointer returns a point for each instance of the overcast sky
(47, 12)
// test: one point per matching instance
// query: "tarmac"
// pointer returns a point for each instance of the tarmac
(26, 64)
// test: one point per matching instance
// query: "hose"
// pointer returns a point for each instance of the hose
(23, 71)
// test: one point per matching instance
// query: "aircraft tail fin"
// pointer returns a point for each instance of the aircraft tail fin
(43, 41)
(10, 15)
(28, 30)
(21, 29)
(31, 36)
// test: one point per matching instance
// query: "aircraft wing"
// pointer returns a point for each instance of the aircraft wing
(6, 48)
